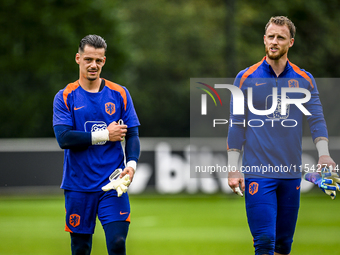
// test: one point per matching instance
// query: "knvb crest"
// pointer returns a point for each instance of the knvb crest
(110, 108)
(293, 83)
(74, 220)
(253, 188)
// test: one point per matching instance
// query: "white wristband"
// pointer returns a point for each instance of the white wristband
(100, 136)
(322, 147)
(233, 158)
(132, 164)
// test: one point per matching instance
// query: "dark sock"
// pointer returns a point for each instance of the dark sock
(81, 244)
(116, 233)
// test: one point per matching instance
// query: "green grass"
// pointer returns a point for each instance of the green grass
(181, 224)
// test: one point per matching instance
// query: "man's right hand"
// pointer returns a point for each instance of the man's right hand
(116, 132)
(235, 180)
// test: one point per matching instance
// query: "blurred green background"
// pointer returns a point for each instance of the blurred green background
(154, 48)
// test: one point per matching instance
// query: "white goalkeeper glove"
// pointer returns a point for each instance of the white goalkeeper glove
(120, 185)
(328, 182)
(238, 191)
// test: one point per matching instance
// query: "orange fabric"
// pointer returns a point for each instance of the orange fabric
(128, 219)
(69, 88)
(67, 229)
(120, 89)
(302, 73)
(73, 86)
(250, 71)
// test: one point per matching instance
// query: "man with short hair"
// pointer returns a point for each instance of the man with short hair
(87, 121)
(272, 151)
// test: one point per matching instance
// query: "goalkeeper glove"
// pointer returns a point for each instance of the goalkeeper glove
(238, 191)
(120, 185)
(328, 182)
(331, 178)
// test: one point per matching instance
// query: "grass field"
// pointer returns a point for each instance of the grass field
(180, 224)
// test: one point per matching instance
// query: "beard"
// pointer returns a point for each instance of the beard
(276, 55)
(92, 78)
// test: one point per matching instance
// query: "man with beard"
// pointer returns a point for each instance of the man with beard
(87, 121)
(272, 151)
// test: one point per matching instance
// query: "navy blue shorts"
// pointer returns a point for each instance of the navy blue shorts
(272, 209)
(82, 209)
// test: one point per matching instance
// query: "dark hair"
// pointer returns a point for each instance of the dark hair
(281, 21)
(92, 40)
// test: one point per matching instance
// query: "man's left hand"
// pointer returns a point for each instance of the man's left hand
(128, 170)
(120, 185)
(326, 161)
(326, 184)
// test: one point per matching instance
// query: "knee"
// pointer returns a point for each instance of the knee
(81, 244)
(116, 245)
(116, 233)
(81, 250)
(264, 244)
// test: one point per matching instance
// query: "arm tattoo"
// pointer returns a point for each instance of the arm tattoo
(319, 139)
(234, 150)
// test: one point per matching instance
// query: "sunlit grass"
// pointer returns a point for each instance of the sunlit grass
(181, 224)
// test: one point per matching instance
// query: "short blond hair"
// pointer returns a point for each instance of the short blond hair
(281, 21)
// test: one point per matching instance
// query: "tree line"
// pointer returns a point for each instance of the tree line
(154, 48)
